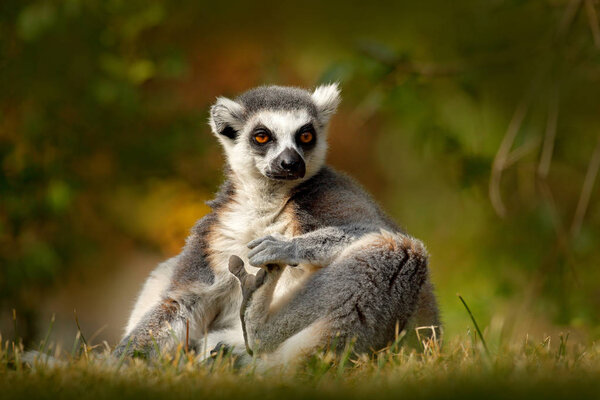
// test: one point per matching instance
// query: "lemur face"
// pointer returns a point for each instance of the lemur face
(275, 133)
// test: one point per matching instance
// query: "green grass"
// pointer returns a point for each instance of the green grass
(459, 369)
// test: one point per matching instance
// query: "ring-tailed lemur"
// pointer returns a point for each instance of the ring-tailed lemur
(330, 263)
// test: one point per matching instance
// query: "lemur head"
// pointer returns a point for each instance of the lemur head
(275, 133)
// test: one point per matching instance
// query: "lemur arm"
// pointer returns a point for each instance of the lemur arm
(318, 247)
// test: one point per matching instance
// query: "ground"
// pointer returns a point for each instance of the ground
(460, 368)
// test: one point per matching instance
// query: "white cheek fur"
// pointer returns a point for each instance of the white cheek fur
(283, 125)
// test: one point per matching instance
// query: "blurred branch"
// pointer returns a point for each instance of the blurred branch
(564, 239)
(521, 151)
(550, 135)
(544, 168)
(562, 236)
(504, 158)
(586, 191)
(503, 154)
(590, 10)
(554, 215)
(568, 17)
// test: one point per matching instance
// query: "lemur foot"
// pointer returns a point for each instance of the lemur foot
(250, 284)
(227, 352)
(132, 347)
(220, 348)
(248, 281)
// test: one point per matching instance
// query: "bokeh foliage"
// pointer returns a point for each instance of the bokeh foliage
(475, 123)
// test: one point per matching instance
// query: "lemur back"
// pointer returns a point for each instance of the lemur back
(314, 255)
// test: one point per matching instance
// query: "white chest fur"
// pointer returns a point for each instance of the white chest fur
(244, 219)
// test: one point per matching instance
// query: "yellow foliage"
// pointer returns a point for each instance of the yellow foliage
(163, 214)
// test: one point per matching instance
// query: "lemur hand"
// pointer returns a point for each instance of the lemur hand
(273, 249)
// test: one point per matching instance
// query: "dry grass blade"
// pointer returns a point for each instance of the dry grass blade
(44, 344)
(14, 319)
(79, 327)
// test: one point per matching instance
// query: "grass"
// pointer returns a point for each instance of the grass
(464, 367)
(459, 369)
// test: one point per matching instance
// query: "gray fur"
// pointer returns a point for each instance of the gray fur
(362, 276)
(367, 295)
(276, 98)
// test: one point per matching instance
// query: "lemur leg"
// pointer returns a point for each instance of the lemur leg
(304, 343)
(186, 288)
(425, 324)
(368, 293)
(165, 323)
(391, 274)
(154, 288)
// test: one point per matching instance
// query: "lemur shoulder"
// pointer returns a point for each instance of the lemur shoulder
(293, 253)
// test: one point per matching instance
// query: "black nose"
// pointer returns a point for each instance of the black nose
(288, 165)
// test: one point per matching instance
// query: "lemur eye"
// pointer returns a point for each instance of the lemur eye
(261, 137)
(306, 137)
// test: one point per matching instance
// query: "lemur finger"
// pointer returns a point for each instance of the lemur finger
(258, 241)
(263, 258)
(236, 267)
(260, 248)
(270, 253)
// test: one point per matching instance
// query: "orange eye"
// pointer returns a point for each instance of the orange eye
(261, 138)
(306, 137)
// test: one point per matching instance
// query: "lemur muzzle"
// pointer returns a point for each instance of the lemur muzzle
(288, 165)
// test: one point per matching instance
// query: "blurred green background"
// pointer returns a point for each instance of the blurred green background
(475, 124)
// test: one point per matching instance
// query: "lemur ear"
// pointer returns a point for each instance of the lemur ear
(226, 117)
(326, 98)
